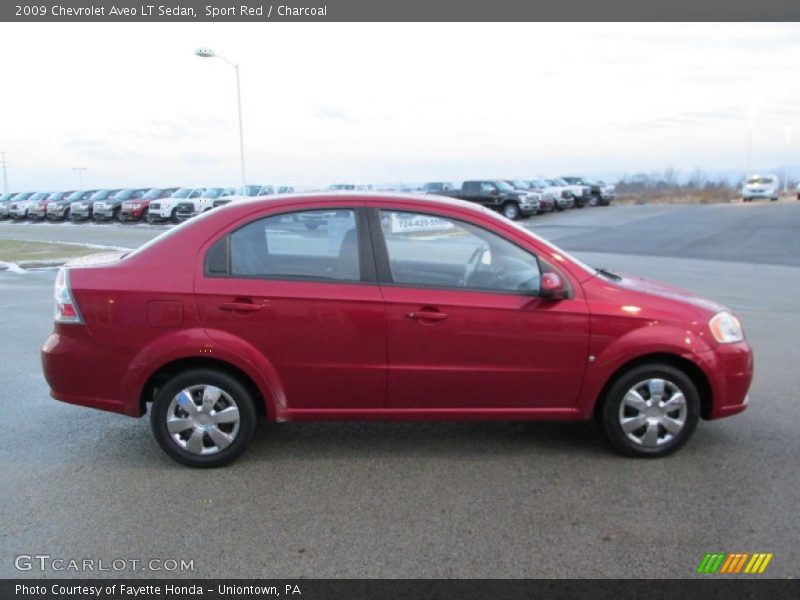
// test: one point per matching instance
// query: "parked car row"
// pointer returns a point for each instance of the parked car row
(514, 198)
(517, 198)
(126, 204)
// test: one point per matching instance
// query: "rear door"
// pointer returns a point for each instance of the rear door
(300, 287)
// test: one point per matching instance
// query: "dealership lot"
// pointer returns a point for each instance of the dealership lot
(431, 500)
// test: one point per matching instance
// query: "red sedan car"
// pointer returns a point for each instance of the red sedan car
(392, 308)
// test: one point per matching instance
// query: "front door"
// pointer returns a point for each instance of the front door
(466, 328)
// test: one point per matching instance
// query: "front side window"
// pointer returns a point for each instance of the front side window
(315, 245)
(432, 251)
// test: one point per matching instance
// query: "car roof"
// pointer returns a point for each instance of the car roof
(308, 197)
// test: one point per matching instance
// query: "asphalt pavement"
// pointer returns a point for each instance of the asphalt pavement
(431, 499)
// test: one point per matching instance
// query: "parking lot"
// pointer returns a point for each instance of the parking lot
(435, 499)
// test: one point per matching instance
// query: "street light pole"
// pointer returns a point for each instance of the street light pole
(788, 139)
(5, 174)
(208, 53)
(80, 171)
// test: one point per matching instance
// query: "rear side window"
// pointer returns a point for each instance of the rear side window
(308, 245)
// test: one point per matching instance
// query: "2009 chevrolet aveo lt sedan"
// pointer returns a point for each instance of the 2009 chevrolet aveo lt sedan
(333, 307)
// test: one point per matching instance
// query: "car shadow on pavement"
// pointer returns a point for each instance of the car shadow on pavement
(437, 439)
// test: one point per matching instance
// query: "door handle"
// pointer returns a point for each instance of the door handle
(426, 315)
(240, 307)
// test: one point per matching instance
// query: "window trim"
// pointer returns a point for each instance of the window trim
(381, 253)
(366, 259)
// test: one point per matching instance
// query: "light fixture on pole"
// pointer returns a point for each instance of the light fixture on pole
(80, 171)
(208, 53)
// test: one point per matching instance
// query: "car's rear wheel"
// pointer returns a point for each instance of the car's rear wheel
(511, 211)
(203, 418)
(650, 411)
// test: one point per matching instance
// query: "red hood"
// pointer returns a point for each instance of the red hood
(668, 292)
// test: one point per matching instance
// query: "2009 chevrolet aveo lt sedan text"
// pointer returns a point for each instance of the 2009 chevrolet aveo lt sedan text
(333, 307)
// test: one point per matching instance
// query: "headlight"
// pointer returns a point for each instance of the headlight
(726, 328)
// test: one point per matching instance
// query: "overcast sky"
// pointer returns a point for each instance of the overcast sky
(391, 102)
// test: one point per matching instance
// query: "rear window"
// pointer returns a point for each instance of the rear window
(317, 245)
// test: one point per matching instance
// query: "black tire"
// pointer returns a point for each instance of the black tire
(511, 211)
(594, 200)
(145, 216)
(200, 377)
(174, 215)
(610, 411)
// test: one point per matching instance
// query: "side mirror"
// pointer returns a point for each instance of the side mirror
(553, 287)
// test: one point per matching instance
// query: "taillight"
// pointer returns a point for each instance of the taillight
(66, 308)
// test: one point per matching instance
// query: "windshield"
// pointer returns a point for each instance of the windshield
(22, 196)
(539, 183)
(520, 185)
(5, 197)
(556, 251)
(760, 180)
(123, 194)
(559, 181)
(103, 194)
(153, 194)
(248, 190)
(55, 196)
(182, 193)
(212, 193)
(76, 195)
(39, 196)
(503, 186)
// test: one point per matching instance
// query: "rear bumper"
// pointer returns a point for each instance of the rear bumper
(69, 366)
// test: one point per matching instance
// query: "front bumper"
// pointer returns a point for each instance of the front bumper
(530, 207)
(56, 212)
(565, 202)
(81, 214)
(729, 369)
(105, 214)
(37, 214)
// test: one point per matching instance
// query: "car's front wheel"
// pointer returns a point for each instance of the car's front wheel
(511, 211)
(650, 411)
(203, 418)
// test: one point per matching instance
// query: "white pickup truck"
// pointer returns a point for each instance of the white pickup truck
(166, 209)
